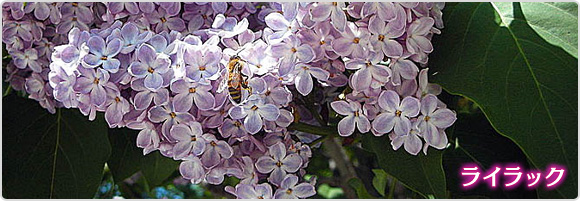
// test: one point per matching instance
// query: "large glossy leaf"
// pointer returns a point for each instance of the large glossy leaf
(422, 174)
(556, 22)
(126, 156)
(526, 87)
(473, 140)
(47, 155)
(157, 168)
(128, 159)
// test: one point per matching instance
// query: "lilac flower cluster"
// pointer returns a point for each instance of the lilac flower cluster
(161, 69)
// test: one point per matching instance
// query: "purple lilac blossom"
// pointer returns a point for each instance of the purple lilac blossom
(157, 67)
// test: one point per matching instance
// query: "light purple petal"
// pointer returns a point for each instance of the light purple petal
(384, 123)
(363, 124)
(361, 79)
(269, 112)
(430, 133)
(153, 81)
(342, 46)
(276, 21)
(277, 151)
(289, 181)
(321, 12)
(402, 126)
(224, 149)
(142, 100)
(389, 100)
(346, 126)
(303, 83)
(304, 190)
(137, 69)
(265, 164)
(253, 123)
(176, 24)
(96, 44)
(291, 163)
(443, 118)
(91, 59)
(114, 47)
(413, 144)
(237, 112)
(319, 73)
(428, 104)
(204, 100)
(341, 107)
(182, 149)
(192, 170)
(182, 102)
(410, 106)
(338, 18)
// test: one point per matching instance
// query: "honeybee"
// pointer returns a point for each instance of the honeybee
(236, 81)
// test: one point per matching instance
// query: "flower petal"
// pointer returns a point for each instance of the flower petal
(410, 106)
(291, 163)
(153, 81)
(303, 82)
(277, 151)
(346, 126)
(253, 123)
(384, 123)
(413, 144)
(443, 118)
(341, 107)
(363, 124)
(265, 164)
(304, 190)
(269, 112)
(389, 100)
(276, 21)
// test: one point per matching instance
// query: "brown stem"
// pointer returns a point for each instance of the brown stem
(334, 151)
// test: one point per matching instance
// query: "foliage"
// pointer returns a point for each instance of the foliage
(507, 70)
(62, 155)
(525, 86)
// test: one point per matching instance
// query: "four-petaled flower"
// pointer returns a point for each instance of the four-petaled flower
(434, 119)
(290, 189)
(215, 150)
(395, 113)
(189, 140)
(253, 112)
(354, 117)
(151, 66)
(278, 163)
(103, 53)
(190, 92)
(168, 116)
(253, 191)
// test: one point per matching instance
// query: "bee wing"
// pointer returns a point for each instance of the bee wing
(223, 83)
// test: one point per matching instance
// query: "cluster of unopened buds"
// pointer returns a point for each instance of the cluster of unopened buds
(216, 85)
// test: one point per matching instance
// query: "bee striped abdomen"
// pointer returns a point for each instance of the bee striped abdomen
(235, 93)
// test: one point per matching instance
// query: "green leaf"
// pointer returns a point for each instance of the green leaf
(556, 22)
(328, 192)
(360, 189)
(126, 157)
(157, 168)
(422, 174)
(47, 155)
(380, 181)
(526, 87)
(473, 140)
